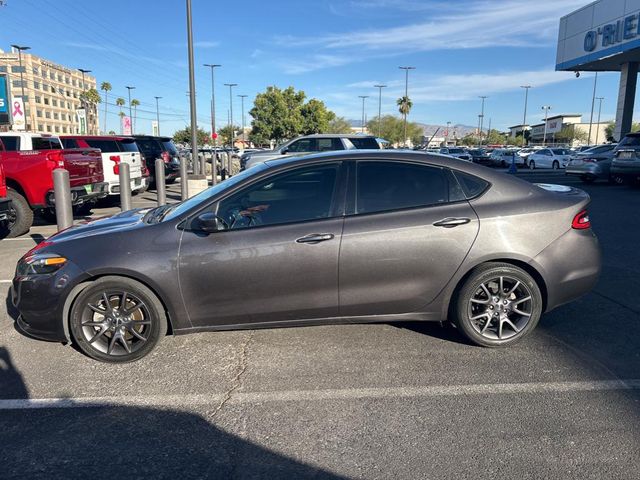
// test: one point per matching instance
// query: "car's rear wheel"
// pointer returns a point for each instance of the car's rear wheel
(117, 320)
(19, 218)
(498, 305)
(555, 165)
(532, 165)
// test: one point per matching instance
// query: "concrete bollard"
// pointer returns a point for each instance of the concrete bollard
(125, 186)
(161, 187)
(214, 167)
(230, 163)
(62, 197)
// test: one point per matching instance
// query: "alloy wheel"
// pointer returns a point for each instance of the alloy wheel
(116, 322)
(500, 308)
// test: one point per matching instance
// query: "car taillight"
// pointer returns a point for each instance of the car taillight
(116, 160)
(55, 160)
(166, 157)
(581, 221)
(589, 160)
(3, 183)
(145, 170)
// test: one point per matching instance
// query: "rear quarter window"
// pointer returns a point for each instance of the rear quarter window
(69, 143)
(127, 146)
(471, 185)
(368, 143)
(11, 143)
(108, 146)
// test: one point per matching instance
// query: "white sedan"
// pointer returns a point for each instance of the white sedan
(555, 158)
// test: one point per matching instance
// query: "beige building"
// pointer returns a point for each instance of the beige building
(51, 93)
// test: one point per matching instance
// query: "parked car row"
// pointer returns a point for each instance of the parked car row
(93, 162)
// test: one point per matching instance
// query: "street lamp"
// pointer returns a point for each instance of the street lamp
(84, 89)
(242, 97)
(231, 85)
(20, 50)
(214, 135)
(593, 101)
(599, 111)
(129, 91)
(158, 113)
(380, 87)
(447, 135)
(483, 97)
(363, 97)
(524, 119)
(406, 94)
(546, 109)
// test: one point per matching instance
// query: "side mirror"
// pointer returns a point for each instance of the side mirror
(208, 222)
(284, 151)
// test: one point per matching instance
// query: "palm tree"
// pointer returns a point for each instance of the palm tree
(134, 104)
(120, 103)
(404, 107)
(106, 88)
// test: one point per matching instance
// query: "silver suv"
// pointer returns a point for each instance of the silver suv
(311, 144)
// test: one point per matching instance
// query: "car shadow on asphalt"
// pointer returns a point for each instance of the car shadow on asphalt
(66, 439)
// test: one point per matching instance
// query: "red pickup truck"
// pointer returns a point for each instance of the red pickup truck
(29, 159)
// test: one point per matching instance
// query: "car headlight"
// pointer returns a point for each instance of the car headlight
(40, 264)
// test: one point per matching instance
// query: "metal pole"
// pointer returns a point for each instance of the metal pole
(157, 113)
(593, 101)
(546, 109)
(363, 98)
(130, 114)
(524, 119)
(214, 166)
(599, 111)
(192, 104)
(406, 94)
(124, 176)
(482, 117)
(379, 87)
(242, 97)
(62, 198)
(161, 188)
(230, 85)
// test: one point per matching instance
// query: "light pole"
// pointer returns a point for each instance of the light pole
(130, 114)
(447, 135)
(242, 97)
(158, 113)
(524, 119)
(600, 99)
(212, 66)
(231, 85)
(483, 97)
(379, 87)
(20, 50)
(406, 95)
(363, 97)
(84, 89)
(479, 137)
(192, 107)
(593, 101)
(546, 109)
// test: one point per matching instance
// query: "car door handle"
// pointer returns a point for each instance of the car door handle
(451, 222)
(315, 238)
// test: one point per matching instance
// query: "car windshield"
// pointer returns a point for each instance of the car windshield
(630, 141)
(178, 209)
(558, 151)
(456, 150)
(169, 146)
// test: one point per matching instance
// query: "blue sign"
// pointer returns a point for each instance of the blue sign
(613, 33)
(5, 118)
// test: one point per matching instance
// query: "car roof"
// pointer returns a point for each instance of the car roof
(335, 135)
(97, 137)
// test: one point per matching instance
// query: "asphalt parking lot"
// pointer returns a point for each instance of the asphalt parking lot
(405, 400)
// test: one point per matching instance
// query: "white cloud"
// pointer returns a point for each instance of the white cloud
(317, 62)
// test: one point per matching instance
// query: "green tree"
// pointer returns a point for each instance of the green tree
(120, 103)
(106, 88)
(611, 126)
(135, 103)
(184, 136)
(276, 114)
(91, 96)
(339, 125)
(315, 117)
(404, 105)
(392, 129)
(224, 133)
(569, 134)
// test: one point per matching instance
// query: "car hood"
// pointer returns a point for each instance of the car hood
(117, 223)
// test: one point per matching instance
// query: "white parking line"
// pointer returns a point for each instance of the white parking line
(327, 394)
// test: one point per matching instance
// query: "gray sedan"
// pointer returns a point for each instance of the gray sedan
(357, 236)
(593, 164)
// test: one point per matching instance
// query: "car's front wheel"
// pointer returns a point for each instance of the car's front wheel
(498, 305)
(555, 165)
(117, 320)
(532, 165)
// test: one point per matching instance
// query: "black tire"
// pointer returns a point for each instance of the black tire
(587, 179)
(83, 210)
(170, 181)
(555, 165)
(503, 164)
(616, 179)
(48, 215)
(532, 165)
(20, 216)
(467, 306)
(101, 336)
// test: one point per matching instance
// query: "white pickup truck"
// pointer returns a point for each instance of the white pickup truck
(115, 150)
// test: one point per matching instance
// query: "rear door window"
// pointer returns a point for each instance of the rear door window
(169, 147)
(303, 145)
(46, 143)
(106, 146)
(11, 143)
(364, 143)
(329, 144)
(69, 143)
(127, 145)
(385, 186)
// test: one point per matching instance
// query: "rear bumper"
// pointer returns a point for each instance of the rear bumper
(5, 208)
(81, 194)
(138, 183)
(592, 169)
(626, 168)
(569, 275)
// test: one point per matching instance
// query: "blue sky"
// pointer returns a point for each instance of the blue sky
(334, 50)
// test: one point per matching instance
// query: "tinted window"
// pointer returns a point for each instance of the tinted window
(471, 186)
(329, 144)
(149, 146)
(630, 141)
(69, 143)
(46, 143)
(559, 151)
(456, 150)
(107, 146)
(127, 146)
(364, 143)
(305, 194)
(600, 149)
(303, 145)
(11, 143)
(169, 146)
(385, 186)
